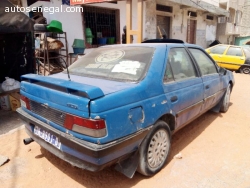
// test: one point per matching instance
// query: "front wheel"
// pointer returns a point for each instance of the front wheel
(245, 70)
(226, 99)
(154, 149)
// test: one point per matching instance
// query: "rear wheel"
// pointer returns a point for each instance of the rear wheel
(226, 99)
(245, 70)
(154, 149)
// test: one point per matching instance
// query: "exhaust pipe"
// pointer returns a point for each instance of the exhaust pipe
(27, 141)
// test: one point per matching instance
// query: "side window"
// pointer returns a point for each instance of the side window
(168, 76)
(218, 49)
(206, 65)
(247, 52)
(234, 51)
(181, 64)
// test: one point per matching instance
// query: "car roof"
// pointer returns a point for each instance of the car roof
(225, 45)
(164, 41)
(154, 44)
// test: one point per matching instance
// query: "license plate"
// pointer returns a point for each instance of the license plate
(48, 137)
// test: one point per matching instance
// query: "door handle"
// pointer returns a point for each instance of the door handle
(242, 58)
(219, 55)
(207, 87)
(174, 98)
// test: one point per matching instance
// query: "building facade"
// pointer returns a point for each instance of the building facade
(244, 38)
(193, 21)
(229, 27)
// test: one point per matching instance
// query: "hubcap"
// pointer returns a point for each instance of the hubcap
(158, 149)
(246, 70)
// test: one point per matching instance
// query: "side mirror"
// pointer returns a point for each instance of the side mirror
(208, 51)
(222, 71)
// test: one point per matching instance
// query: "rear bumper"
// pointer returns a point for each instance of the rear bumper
(85, 155)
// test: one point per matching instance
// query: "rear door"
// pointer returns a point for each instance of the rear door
(233, 58)
(182, 86)
(210, 76)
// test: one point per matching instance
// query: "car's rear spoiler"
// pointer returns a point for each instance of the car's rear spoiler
(91, 92)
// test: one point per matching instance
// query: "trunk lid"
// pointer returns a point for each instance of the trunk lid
(58, 93)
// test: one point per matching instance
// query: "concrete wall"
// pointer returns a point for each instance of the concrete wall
(150, 20)
(226, 39)
(242, 40)
(245, 29)
(213, 2)
(205, 30)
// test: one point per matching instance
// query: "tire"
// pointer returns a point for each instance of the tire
(226, 99)
(245, 70)
(154, 150)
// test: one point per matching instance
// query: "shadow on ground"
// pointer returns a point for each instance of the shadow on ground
(111, 178)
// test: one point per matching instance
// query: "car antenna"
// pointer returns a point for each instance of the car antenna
(67, 69)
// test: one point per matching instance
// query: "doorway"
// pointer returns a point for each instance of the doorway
(163, 27)
(191, 31)
(104, 24)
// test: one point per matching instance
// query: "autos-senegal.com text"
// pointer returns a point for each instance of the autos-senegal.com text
(50, 10)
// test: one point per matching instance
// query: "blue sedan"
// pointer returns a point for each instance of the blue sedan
(120, 104)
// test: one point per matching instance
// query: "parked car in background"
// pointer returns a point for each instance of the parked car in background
(234, 58)
(122, 104)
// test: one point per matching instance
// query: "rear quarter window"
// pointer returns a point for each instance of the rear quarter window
(234, 51)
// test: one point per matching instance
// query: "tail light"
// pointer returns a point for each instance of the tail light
(90, 127)
(25, 102)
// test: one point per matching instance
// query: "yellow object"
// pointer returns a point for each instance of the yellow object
(228, 56)
(14, 101)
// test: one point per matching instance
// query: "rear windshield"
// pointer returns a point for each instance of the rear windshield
(128, 64)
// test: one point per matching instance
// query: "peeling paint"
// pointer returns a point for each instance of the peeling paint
(164, 102)
(97, 117)
(143, 116)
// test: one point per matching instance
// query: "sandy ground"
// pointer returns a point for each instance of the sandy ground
(9, 120)
(214, 148)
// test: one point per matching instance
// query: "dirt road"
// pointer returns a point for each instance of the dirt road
(214, 148)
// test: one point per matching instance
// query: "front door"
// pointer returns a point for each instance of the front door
(191, 31)
(217, 52)
(211, 78)
(163, 27)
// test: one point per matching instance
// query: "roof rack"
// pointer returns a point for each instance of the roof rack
(163, 41)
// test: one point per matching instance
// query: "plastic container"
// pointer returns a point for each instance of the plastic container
(40, 27)
(78, 50)
(55, 26)
(89, 40)
(5, 102)
(111, 40)
(102, 41)
(78, 43)
(88, 33)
